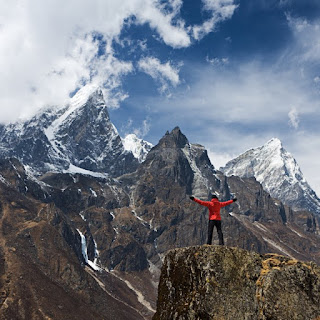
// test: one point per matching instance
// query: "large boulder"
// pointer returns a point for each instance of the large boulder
(213, 282)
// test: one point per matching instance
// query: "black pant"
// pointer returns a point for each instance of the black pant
(211, 225)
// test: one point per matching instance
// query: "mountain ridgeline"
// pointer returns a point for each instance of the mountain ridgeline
(90, 218)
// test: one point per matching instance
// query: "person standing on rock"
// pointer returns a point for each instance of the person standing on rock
(214, 207)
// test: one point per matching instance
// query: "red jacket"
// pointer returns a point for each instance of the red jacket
(214, 207)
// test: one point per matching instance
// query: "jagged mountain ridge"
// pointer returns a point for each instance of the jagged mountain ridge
(79, 137)
(278, 172)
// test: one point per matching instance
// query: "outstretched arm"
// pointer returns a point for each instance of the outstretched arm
(226, 203)
(203, 203)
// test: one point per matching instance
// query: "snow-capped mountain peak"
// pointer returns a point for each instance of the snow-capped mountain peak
(79, 135)
(83, 95)
(137, 146)
(89, 96)
(278, 172)
(80, 99)
(274, 143)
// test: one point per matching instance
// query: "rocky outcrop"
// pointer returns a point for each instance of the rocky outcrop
(213, 282)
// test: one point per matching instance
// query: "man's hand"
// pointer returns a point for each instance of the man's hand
(192, 198)
(235, 199)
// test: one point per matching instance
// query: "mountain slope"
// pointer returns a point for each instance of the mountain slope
(278, 172)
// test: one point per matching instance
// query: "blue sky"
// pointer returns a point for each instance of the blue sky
(231, 74)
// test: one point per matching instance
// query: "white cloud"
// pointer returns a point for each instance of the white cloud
(283, 3)
(220, 10)
(250, 94)
(173, 35)
(219, 159)
(48, 48)
(140, 131)
(166, 74)
(294, 118)
(316, 79)
(143, 130)
(307, 39)
(217, 62)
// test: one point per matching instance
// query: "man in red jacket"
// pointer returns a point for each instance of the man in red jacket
(214, 207)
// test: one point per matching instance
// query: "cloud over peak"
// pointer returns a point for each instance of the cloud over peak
(294, 118)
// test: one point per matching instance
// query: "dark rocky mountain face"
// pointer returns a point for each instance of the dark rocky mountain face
(103, 239)
(28, 142)
(159, 192)
(206, 282)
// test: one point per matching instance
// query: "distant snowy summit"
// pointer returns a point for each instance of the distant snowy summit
(139, 147)
(279, 174)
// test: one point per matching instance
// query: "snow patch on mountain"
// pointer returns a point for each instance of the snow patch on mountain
(77, 101)
(200, 183)
(279, 174)
(82, 96)
(138, 147)
(74, 170)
